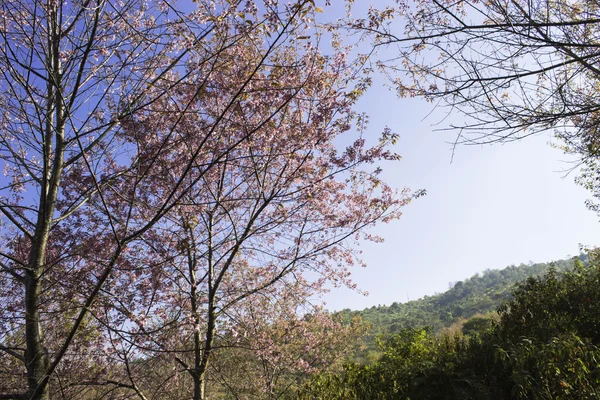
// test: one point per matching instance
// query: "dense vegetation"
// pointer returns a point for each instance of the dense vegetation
(478, 296)
(543, 345)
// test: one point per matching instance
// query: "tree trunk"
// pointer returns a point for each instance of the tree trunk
(36, 355)
(37, 360)
(202, 352)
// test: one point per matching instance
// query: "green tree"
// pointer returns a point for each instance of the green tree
(544, 346)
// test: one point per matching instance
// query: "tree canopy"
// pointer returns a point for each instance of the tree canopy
(172, 191)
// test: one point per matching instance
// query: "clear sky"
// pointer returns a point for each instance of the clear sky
(491, 207)
(487, 208)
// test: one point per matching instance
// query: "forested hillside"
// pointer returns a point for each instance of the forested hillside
(478, 295)
(544, 345)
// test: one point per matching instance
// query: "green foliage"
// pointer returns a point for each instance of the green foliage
(477, 326)
(476, 296)
(415, 364)
(543, 346)
(548, 306)
(566, 367)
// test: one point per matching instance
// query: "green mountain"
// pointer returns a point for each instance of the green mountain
(479, 295)
(543, 345)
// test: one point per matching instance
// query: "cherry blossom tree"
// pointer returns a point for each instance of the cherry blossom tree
(283, 204)
(167, 166)
(282, 354)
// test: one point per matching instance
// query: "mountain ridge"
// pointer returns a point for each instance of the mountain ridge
(477, 296)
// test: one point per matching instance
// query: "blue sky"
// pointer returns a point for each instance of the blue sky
(491, 207)
(487, 208)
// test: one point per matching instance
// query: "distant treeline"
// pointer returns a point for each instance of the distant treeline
(479, 296)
